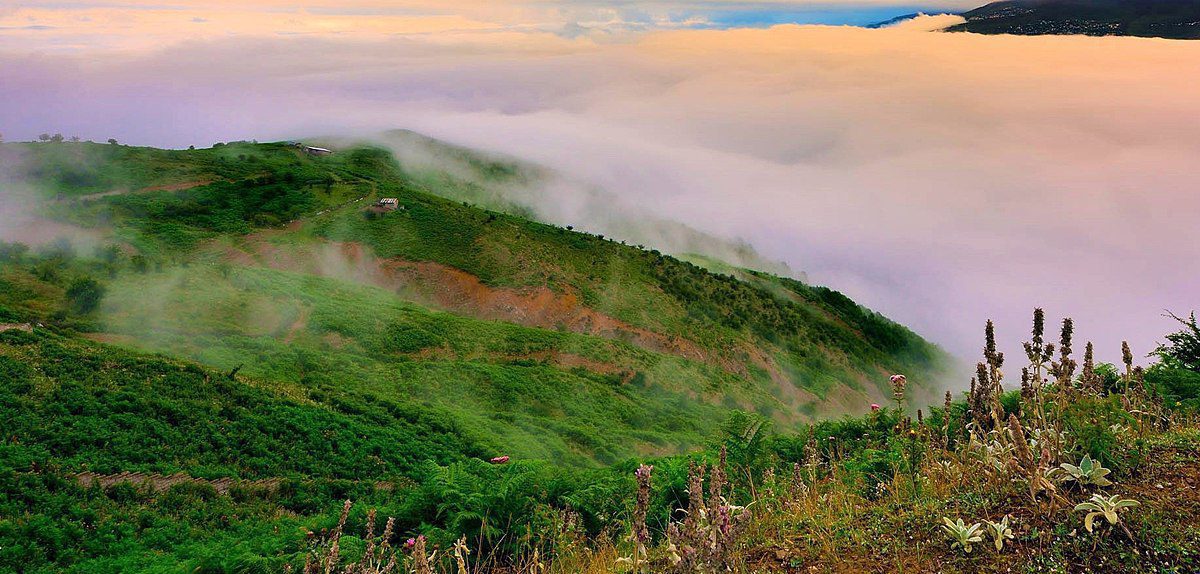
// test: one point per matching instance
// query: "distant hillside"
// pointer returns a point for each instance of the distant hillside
(1178, 19)
(894, 21)
(551, 343)
(521, 188)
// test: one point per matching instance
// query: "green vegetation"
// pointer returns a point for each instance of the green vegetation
(258, 346)
(878, 493)
(71, 405)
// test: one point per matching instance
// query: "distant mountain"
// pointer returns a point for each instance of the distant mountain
(1177, 19)
(893, 21)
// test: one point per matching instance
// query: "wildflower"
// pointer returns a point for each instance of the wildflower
(499, 459)
(898, 384)
(640, 532)
(874, 407)
(421, 561)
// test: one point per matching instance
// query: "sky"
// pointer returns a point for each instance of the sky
(941, 178)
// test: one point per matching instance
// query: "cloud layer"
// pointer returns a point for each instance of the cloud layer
(941, 178)
(55, 26)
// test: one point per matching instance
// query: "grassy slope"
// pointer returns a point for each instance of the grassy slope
(543, 390)
(70, 405)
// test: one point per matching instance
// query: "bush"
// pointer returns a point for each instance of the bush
(84, 295)
(1089, 421)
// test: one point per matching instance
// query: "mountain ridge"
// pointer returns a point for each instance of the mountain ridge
(1172, 19)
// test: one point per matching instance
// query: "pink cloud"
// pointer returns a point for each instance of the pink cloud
(940, 178)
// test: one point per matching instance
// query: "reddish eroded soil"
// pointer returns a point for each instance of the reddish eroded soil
(444, 287)
(452, 289)
(460, 291)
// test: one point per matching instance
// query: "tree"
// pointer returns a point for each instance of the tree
(44, 137)
(13, 252)
(74, 139)
(112, 141)
(1182, 349)
(57, 138)
(84, 295)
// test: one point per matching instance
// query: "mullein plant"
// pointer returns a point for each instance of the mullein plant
(1087, 473)
(704, 540)
(946, 421)
(378, 556)
(1031, 467)
(984, 398)
(961, 534)
(1039, 353)
(640, 532)
(1106, 506)
(1064, 368)
(994, 360)
(1089, 380)
(1000, 532)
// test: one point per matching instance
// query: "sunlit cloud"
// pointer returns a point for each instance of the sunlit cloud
(138, 24)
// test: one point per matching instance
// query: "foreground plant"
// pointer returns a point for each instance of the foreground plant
(1088, 473)
(961, 535)
(999, 532)
(705, 539)
(1106, 506)
(378, 558)
(640, 534)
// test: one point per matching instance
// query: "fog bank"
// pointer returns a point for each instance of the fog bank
(942, 179)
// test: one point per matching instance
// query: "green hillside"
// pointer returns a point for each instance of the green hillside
(250, 254)
(239, 313)
(204, 353)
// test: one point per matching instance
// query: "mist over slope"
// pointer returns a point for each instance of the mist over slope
(261, 259)
(529, 190)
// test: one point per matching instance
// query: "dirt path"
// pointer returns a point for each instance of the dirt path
(298, 325)
(121, 191)
(163, 482)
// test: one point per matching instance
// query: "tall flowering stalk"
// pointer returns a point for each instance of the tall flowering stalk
(1127, 359)
(420, 560)
(704, 540)
(899, 383)
(640, 534)
(946, 420)
(1040, 353)
(994, 360)
(378, 556)
(1064, 368)
(1089, 380)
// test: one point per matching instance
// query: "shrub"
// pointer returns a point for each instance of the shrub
(84, 295)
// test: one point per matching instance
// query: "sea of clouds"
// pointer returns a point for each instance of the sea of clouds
(940, 178)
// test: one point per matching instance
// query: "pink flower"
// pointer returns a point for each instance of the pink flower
(874, 407)
(499, 460)
(896, 378)
(410, 542)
